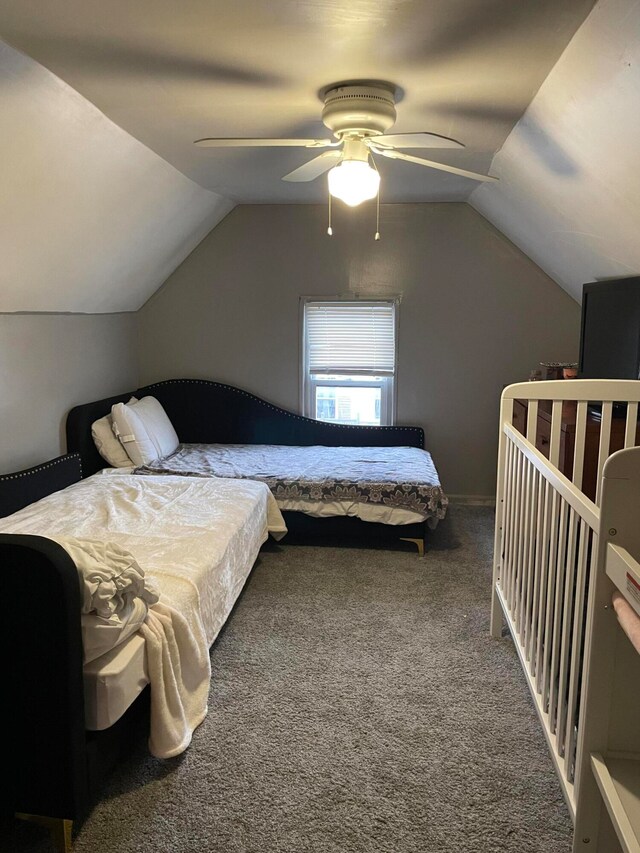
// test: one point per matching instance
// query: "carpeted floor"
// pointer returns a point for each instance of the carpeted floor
(358, 705)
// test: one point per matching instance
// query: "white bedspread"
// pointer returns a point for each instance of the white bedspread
(183, 533)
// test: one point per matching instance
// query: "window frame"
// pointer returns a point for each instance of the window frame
(387, 384)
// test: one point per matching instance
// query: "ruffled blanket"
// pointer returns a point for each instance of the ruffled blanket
(115, 593)
(118, 600)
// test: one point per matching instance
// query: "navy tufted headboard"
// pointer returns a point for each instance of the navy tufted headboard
(206, 412)
(24, 487)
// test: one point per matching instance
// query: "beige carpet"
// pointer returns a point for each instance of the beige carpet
(358, 705)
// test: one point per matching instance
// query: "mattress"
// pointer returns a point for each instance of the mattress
(196, 538)
(394, 485)
(113, 681)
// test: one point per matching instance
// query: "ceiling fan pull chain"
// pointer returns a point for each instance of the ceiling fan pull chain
(377, 234)
(330, 229)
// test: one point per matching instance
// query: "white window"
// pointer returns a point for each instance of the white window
(349, 361)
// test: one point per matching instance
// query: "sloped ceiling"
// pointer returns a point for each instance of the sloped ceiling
(569, 194)
(92, 220)
(103, 193)
(171, 72)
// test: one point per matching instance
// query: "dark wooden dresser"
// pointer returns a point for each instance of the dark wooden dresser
(567, 438)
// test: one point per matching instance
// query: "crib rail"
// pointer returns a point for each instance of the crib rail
(546, 543)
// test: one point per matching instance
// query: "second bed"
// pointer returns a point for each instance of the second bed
(388, 485)
(327, 478)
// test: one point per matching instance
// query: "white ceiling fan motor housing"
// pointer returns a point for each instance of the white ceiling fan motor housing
(364, 110)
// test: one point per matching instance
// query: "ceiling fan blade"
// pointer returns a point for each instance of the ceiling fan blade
(246, 142)
(416, 140)
(397, 155)
(314, 168)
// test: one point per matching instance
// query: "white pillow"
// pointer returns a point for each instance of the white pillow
(144, 430)
(107, 444)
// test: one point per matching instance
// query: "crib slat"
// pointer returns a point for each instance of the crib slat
(517, 566)
(513, 536)
(521, 624)
(579, 444)
(524, 528)
(528, 593)
(528, 553)
(566, 649)
(557, 614)
(537, 579)
(512, 525)
(556, 424)
(505, 512)
(576, 642)
(551, 589)
(524, 567)
(517, 561)
(605, 438)
(506, 516)
(631, 425)
(542, 606)
(519, 555)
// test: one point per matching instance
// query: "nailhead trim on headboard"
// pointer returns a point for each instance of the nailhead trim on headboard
(345, 427)
(29, 471)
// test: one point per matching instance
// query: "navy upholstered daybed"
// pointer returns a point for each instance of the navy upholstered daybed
(108, 605)
(339, 473)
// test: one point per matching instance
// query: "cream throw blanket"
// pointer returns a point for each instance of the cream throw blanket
(116, 601)
(179, 674)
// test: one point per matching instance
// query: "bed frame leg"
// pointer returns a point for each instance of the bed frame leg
(419, 543)
(60, 829)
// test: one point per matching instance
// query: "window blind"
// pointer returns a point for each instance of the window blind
(350, 337)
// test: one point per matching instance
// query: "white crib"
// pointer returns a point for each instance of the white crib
(551, 588)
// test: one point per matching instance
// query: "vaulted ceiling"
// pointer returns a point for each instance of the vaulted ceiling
(104, 194)
(170, 73)
(91, 220)
(569, 191)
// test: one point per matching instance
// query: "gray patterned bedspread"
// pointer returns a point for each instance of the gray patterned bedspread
(393, 476)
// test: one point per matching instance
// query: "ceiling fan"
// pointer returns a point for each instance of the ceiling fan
(359, 113)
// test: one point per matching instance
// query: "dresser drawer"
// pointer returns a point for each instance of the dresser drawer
(543, 436)
(520, 416)
(565, 451)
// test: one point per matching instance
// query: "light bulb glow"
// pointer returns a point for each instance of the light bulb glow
(353, 181)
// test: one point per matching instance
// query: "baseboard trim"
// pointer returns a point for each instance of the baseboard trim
(473, 500)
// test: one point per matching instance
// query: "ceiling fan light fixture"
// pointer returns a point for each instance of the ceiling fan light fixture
(353, 181)
(359, 113)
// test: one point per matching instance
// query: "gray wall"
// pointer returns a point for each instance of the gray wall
(476, 314)
(51, 362)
